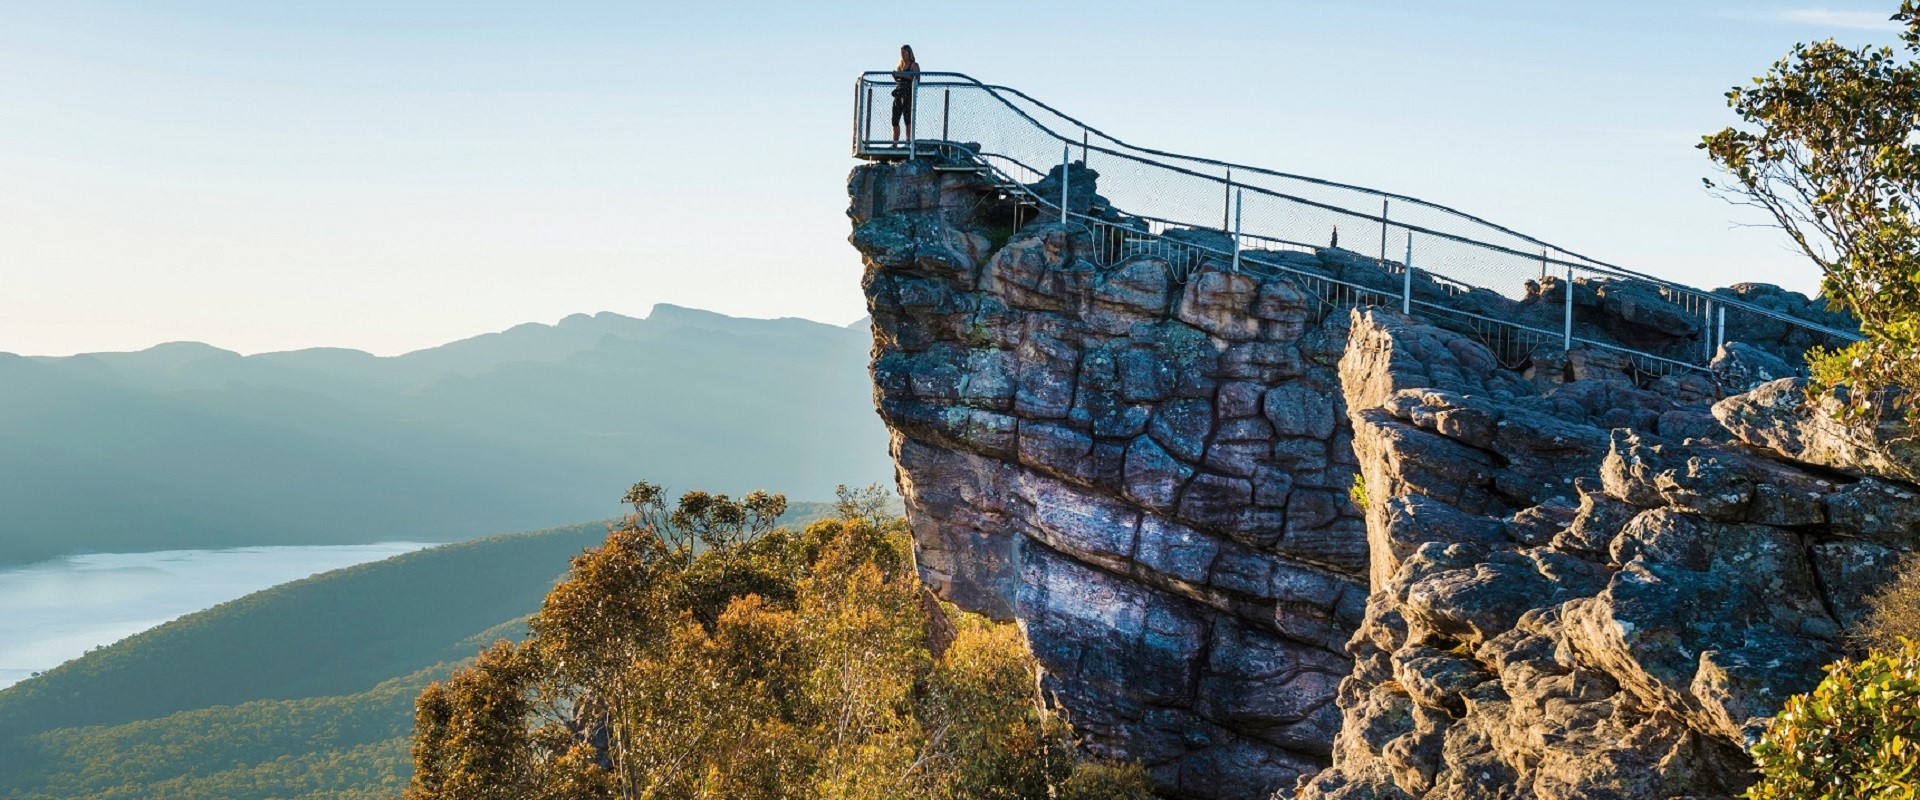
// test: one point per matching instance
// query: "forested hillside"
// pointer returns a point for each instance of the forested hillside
(186, 446)
(305, 689)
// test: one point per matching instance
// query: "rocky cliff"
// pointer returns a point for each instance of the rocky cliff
(1569, 608)
(1151, 475)
(1252, 533)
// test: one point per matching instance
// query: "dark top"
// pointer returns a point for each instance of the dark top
(903, 81)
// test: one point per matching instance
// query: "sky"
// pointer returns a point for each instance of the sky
(391, 176)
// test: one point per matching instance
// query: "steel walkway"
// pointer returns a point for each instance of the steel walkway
(1452, 268)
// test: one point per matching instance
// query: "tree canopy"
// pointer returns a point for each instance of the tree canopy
(702, 652)
(1828, 150)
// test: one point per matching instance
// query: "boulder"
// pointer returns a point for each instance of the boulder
(1640, 305)
(1780, 417)
(1221, 303)
(1740, 367)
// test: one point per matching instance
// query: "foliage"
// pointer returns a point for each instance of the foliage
(702, 652)
(1831, 156)
(304, 690)
(348, 746)
(334, 634)
(1358, 491)
(1856, 735)
(1107, 782)
(1895, 610)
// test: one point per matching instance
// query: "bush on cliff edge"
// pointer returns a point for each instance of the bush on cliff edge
(704, 653)
(1895, 614)
(1856, 735)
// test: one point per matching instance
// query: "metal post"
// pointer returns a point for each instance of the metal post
(1226, 201)
(1543, 266)
(1569, 311)
(1723, 325)
(1406, 279)
(1383, 234)
(1083, 145)
(1706, 339)
(913, 118)
(946, 113)
(866, 116)
(1239, 202)
(1066, 163)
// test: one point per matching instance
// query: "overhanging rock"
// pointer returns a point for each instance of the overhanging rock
(1581, 583)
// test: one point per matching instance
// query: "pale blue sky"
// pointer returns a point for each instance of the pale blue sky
(389, 176)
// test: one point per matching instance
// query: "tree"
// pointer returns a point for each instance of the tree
(705, 653)
(469, 742)
(1829, 152)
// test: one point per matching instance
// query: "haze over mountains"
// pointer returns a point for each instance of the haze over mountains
(185, 445)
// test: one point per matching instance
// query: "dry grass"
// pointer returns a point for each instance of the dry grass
(1896, 611)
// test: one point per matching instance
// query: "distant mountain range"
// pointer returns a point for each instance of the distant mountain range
(186, 445)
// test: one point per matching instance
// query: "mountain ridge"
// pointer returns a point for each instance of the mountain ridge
(189, 445)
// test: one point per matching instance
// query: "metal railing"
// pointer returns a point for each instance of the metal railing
(1451, 267)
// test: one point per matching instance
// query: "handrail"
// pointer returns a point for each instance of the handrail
(1698, 301)
(1584, 262)
(1358, 288)
(970, 81)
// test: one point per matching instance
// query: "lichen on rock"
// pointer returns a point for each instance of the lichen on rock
(1146, 465)
(1626, 632)
(1567, 580)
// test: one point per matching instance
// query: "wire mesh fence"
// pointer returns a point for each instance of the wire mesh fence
(1347, 245)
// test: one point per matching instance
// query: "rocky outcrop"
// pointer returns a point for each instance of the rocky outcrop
(1741, 367)
(1259, 539)
(1620, 623)
(1145, 463)
(1778, 417)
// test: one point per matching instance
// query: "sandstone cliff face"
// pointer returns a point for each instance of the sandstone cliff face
(1562, 584)
(1152, 475)
(1565, 610)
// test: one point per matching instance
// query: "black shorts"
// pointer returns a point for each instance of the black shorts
(902, 108)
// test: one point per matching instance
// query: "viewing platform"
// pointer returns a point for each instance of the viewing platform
(1428, 261)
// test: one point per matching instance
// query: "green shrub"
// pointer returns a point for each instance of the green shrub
(1856, 735)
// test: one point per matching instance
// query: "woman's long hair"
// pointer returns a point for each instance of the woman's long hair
(907, 64)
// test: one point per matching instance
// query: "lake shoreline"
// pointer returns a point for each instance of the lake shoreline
(59, 609)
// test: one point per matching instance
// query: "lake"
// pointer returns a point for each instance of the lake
(58, 610)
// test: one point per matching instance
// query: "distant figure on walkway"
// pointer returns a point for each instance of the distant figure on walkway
(903, 79)
(1335, 244)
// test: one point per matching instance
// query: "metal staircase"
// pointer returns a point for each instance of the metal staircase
(1433, 262)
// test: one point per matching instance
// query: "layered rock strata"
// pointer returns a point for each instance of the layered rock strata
(1567, 607)
(1185, 482)
(1150, 474)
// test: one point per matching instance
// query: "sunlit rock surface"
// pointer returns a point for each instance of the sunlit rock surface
(1569, 580)
(1621, 627)
(1150, 473)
